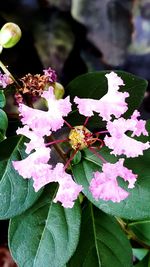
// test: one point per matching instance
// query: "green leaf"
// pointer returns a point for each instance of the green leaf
(136, 206)
(94, 85)
(3, 124)
(102, 243)
(16, 194)
(2, 99)
(45, 235)
(142, 230)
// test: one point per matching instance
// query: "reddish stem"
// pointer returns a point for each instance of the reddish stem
(56, 142)
(101, 132)
(70, 159)
(97, 154)
(68, 124)
(86, 121)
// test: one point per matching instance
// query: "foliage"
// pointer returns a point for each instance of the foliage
(93, 232)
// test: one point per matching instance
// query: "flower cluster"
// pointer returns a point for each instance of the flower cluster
(38, 124)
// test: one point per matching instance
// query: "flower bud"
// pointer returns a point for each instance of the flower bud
(10, 34)
(58, 90)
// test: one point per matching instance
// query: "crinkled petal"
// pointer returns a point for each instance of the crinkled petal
(43, 122)
(86, 106)
(123, 144)
(42, 175)
(104, 185)
(140, 125)
(36, 140)
(27, 166)
(114, 81)
(68, 190)
(113, 103)
(126, 146)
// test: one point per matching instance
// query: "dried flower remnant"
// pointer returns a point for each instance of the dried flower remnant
(33, 86)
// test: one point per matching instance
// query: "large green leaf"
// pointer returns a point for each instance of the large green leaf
(2, 99)
(142, 230)
(16, 193)
(102, 242)
(94, 85)
(3, 124)
(136, 206)
(45, 235)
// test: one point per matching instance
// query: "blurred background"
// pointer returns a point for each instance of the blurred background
(74, 37)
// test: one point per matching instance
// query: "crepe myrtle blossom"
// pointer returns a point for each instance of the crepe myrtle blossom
(43, 122)
(113, 103)
(104, 184)
(120, 142)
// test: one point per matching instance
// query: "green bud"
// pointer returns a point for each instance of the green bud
(10, 34)
(58, 90)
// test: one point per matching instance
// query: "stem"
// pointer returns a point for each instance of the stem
(130, 233)
(6, 71)
(68, 124)
(97, 154)
(70, 159)
(56, 142)
(86, 121)
(101, 132)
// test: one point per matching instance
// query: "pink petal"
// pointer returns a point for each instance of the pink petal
(43, 122)
(36, 140)
(113, 103)
(68, 190)
(123, 144)
(42, 175)
(27, 166)
(104, 185)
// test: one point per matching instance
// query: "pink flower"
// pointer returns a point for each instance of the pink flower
(113, 103)
(29, 165)
(123, 144)
(104, 185)
(68, 190)
(42, 174)
(51, 74)
(43, 122)
(4, 80)
(36, 140)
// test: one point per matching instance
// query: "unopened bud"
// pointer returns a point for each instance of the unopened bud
(58, 90)
(10, 34)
